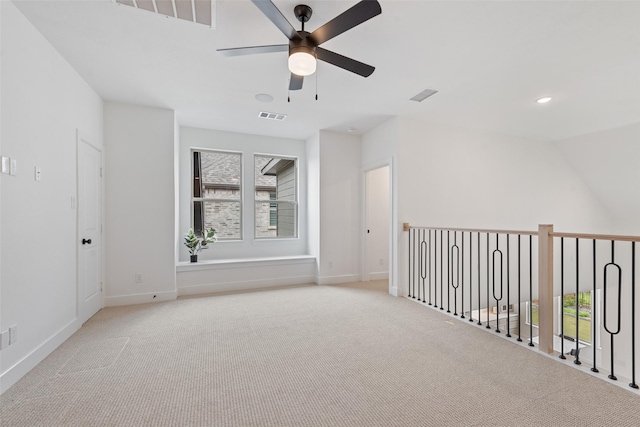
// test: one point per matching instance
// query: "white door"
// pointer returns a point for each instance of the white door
(89, 229)
(377, 223)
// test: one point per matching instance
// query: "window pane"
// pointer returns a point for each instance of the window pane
(576, 312)
(276, 196)
(221, 175)
(275, 219)
(224, 217)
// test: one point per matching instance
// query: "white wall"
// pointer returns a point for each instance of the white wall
(139, 226)
(1, 328)
(481, 180)
(43, 102)
(313, 197)
(340, 208)
(607, 162)
(248, 145)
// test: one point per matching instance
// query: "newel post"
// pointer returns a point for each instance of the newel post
(545, 287)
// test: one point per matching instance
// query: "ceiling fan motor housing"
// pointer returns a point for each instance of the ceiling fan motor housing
(304, 44)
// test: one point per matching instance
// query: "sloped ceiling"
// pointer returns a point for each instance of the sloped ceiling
(488, 60)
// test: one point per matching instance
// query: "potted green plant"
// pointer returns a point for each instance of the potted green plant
(196, 243)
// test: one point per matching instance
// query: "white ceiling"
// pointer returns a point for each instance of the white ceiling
(489, 61)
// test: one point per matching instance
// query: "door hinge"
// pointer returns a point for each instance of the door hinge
(100, 172)
(100, 286)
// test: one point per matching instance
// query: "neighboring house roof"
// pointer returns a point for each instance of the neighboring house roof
(223, 170)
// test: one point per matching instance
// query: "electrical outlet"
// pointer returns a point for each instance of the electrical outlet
(5, 164)
(13, 334)
(37, 174)
(381, 261)
(138, 278)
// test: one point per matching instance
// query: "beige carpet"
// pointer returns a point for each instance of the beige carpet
(306, 356)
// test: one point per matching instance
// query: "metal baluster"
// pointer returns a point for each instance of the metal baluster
(441, 272)
(430, 269)
(606, 327)
(508, 293)
(470, 277)
(530, 291)
(449, 278)
(423, 262)
(577, 359)
(462, 277)
(455, 284)
(479, 280)
(488, 304)
(411, 231)
(435, 268)
(633, 383)
(562, 356)
(499, 252)
(594, 306)
(519, 299)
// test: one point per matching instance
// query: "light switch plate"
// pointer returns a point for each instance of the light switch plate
(6, 161)
(13, 168)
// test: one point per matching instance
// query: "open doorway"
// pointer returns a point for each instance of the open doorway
(377, 225)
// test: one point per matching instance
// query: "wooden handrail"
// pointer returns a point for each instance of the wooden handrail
(474, 230)
(619, 238)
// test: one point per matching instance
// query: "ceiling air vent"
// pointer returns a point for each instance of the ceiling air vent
(423, 95)
(198, 11)
(272, 116)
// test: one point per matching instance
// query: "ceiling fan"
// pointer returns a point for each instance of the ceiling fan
(304, 47)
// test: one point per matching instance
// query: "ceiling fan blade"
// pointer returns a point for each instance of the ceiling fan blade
(358, 14)
(343, 62)
(295, 83)
(251, 50)
(273, 13)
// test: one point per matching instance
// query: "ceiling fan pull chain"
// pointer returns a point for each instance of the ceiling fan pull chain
(316, 86)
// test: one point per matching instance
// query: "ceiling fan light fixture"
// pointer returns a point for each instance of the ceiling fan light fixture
(302, 62)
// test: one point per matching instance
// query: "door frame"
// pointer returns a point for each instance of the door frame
(83, 138)
(392, 219)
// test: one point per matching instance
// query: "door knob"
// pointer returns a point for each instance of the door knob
(86, 241)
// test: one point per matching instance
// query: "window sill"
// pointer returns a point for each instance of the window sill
(242, 262)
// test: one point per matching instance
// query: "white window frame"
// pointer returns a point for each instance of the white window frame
(194, 199)
(289, 202)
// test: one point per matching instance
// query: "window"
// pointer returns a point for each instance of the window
(276, 197)
(576, 308)
(217, 193)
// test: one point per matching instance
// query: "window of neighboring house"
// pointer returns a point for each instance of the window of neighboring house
(276, 210)
(217, 193)
(273, 211)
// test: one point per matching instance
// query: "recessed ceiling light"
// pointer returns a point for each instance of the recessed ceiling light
(264, 97)
(544, 100)
(351, 130)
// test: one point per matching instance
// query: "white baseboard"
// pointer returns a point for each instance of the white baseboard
(244, 285)
(31, 360)
(140, 298)
(393, 291)
(335, 280)
(381, 275)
